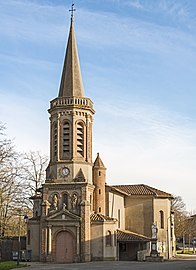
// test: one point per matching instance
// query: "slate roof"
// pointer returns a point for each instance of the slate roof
(125, 235)
(141, 190)
(101, 218)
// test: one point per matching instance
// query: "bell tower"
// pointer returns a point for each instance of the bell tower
(63, 226)
(71, 118)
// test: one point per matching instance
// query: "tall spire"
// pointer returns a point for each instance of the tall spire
(71, 80)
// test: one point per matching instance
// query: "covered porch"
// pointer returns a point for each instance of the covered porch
(132, 246)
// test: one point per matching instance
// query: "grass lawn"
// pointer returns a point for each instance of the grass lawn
(10, 265)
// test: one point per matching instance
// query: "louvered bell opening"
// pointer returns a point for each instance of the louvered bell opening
(66, 140)
(80, 140)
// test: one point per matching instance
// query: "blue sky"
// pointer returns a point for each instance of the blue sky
(138, 65)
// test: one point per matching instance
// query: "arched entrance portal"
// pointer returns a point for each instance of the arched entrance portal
(65, 247)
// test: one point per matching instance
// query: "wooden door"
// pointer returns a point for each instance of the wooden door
(65, 247)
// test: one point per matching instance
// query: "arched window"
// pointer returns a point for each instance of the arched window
(65, 140)
(55, 140)
(161, 213)
(65, 200)
(108, 238)
(80, 139)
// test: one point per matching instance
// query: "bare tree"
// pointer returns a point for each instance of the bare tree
(12, 189)
(185, 225)
(180, 215)
(6, 147)
(33, 166)
(178, 204)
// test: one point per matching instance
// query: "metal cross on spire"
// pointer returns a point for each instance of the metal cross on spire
(72, 11)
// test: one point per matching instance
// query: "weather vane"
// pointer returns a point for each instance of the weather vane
(72, 11)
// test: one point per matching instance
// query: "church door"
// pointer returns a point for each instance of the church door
(65, 247)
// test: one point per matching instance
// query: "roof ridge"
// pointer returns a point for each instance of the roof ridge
(141, 189)
(156, 189)
(118, 190)
(151, 189)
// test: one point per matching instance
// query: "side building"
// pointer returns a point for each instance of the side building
(76, 216)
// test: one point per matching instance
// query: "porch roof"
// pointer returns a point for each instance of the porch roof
(125, 235)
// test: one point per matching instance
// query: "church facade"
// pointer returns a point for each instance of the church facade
(77, 217)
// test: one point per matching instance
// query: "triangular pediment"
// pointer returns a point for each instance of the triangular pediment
(62, 215)
(80, 176)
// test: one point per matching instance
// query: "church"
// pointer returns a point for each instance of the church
(77, 217)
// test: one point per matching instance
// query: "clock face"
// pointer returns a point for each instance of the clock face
(65, 171)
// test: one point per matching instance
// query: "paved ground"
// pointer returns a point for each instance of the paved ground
(187, 263)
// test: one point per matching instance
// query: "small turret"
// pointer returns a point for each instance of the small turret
(99, 176)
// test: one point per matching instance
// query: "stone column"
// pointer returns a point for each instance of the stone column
(43, 244)
(85, 232)
(77, 243)
(49, 239)
(45, 207)
(78, 240)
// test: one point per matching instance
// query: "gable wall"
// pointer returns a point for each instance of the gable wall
(164, 234)
(97, 241)
(114, 203)
(139, 215)
(34, 242)
(99, 249)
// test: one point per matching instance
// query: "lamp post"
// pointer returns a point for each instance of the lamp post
(18, 258)
(26, 218)
(19, 234)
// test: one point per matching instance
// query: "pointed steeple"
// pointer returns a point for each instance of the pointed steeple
(98, 162)
(71, 80)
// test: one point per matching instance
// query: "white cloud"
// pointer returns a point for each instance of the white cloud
(139, 142)
(174, 8)
(135, 3)
(148, 145)
(30, 21)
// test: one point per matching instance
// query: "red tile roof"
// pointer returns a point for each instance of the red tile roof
(125, 235)
(101, 218)
(141, 190)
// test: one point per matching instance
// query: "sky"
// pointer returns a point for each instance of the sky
(138, 62)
